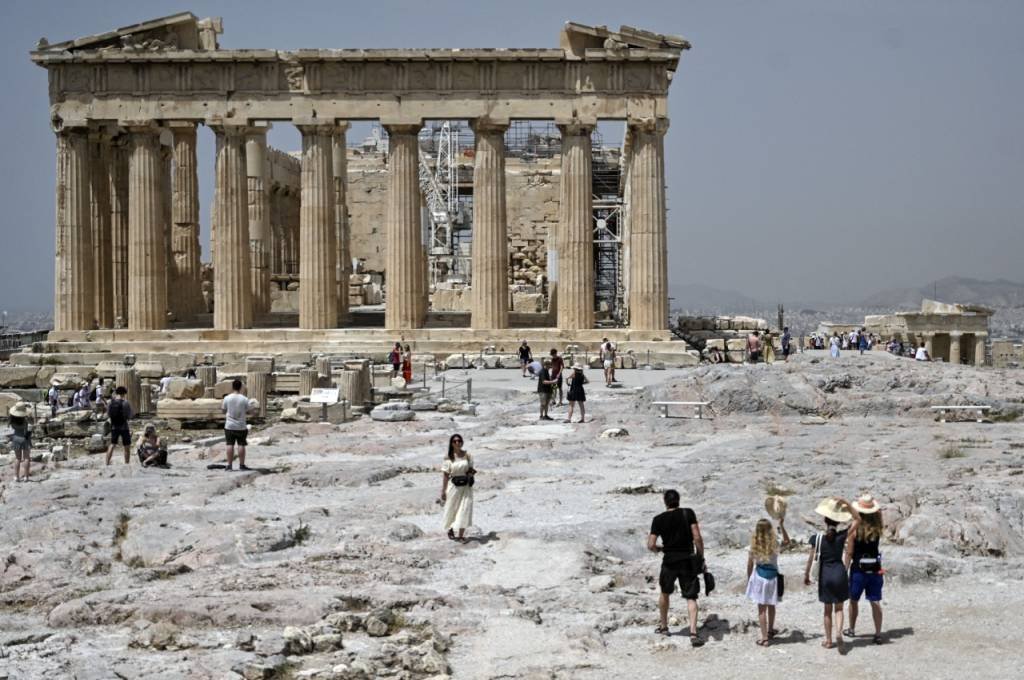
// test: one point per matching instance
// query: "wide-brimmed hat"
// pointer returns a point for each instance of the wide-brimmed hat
(148, 427)
(775, 506)
(577, 366)
(831, 509)
(19, 410)
(866, 505)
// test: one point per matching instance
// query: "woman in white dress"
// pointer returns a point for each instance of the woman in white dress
(457, 489)
(763, 575)
(834, 345)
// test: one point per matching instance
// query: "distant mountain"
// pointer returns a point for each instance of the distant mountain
(698, 298)
(998, 293)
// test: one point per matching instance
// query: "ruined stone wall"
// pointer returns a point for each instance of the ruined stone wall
(367, 192)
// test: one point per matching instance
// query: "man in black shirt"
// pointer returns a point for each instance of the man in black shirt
(525, 356)
(682, 549)
(544, 386)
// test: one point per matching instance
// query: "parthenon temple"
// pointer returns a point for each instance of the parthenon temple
(126, 107)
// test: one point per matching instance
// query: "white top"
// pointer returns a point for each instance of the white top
(164, 382)
(921, 354)
(235, 405)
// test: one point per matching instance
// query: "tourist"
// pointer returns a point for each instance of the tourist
(53, 397)
(834, 344)
(407, 365)
(754, 347)
(768, 348)
(828, 549)
(544, 386)
(395, 359)
(763, 574)
(715, 355)
(862, 341)
(608, 361)
(151, 449)
(457, 475)
(525, 357)
(922, 353)
(682, 549)
(557, 368)
(21, 439)
(81, 399)
(866, 574)
(236, 432)
(165, 382)
(119, 412)
(786, 341)
(533, 368)
(577, 395)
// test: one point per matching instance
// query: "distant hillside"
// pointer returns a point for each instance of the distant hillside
(698, 298)
(999, 293)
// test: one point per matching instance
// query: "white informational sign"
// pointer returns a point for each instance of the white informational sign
(324, 395)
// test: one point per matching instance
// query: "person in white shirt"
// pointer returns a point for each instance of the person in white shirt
(235, 407)
(922, 354)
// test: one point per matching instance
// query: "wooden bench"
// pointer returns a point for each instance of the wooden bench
(945, 410)
(698, 407)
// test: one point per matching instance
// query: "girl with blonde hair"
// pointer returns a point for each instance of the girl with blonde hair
(866, 575)
(763, 574)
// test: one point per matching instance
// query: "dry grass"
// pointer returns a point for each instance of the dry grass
(951, 452)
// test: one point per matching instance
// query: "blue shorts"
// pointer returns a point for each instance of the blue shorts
(864, 582)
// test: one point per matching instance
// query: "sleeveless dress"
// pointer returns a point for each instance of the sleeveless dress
(833, 585)
(576, 391)
(458, 509)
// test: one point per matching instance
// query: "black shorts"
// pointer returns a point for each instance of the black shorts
(233, 437)
(785, 351)
(124, 435)
(684, 573)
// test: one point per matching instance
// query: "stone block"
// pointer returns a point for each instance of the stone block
(715, 343)
(391, 416)
(336, 413)
(7, 400)
(150, 369)
(260, 364)
(18, 376)
(736, 345)
(735, 357)
(294, 415)
(184, 388)
(223, 388)
(190, 409)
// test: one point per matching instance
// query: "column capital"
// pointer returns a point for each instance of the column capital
(341, 127)
(141, 127)
(484, 126)
(956, 334)
(402, 128)
(315, 126)
(183, 125)
(981, 334)
(575, 128)
(657, 126)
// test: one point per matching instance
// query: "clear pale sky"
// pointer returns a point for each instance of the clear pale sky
(819, 149)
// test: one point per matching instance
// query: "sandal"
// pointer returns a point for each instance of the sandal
(849, 633)
(762, 643)
(772, 633)
(451, 534)
(876, 638)
(695, 640)
(661, 630)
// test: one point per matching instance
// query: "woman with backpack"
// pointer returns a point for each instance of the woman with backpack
(763, 574)
(866, 564)
(828, 549)
(21, 439)
(457, 476)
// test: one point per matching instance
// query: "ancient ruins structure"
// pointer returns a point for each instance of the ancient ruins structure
(126, 106)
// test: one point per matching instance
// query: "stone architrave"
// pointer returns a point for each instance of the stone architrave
(185, 220)
(259, 217)
(344, 264)
(490, 228)
(73, 297)
(648, 287)
(576, 231)
(232, 295)
(404, 270)
(117, 179)
(147, 258)
(318, 250)
(102, 261)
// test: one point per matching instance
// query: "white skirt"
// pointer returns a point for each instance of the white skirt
(762, 590)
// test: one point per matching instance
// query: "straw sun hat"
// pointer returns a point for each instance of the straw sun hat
(775, 506)
(866, 505)
(19, 410)
(831, 509)
(577, 366)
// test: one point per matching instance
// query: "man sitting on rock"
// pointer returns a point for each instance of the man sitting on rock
(682, 549)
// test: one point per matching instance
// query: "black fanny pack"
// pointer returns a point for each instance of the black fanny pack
(462, 480)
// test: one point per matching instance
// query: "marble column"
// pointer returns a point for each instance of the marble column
(489, 308)
(74, 303)
(929, 344)
(293, 210)
(344, 264)
(979, 348)
(954, 348)
(256, 388)
(147, 257)
(232, 294)
(117, 179)
(648, 290)
(318, 243)
(174, 302)
(99, 218)
(576, 231)
(404, 272)
(185, 220)
(257, 171)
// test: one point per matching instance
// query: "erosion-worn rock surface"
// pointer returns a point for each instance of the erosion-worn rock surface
(328, 559)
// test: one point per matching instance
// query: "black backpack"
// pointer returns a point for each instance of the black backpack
(117, 412)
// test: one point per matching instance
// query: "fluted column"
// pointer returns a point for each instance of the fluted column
(99, 218)
(490, 228)
(318, 249)
(648, 290)
(74, 302)
(344, 265)
(293, 210)
(954, 348)
(185, 220)
(259, 217)
(147, 257)
(929, 344)
(576, 231)
(404, 271)
(117, 178)
(232, 295)
(979, 348)
(175, 302)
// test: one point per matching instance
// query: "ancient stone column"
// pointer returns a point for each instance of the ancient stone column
(147, 258)
(256, 388)
(128, 378)
(954, 348)
(979, 348)
(74, 302)
(576, 231)
(309, 378)
(174, 302)
(185, 221)
(145, 405)
(257, 171)
(232, 294)
(404, 272)
(117, 177)
(207, 374)
(648, 290)
(318, 243)
(344, 264)
(929, 344)
(490, 228)
(102, 245)
(323, 367)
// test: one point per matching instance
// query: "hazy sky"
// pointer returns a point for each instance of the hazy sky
(818, 149)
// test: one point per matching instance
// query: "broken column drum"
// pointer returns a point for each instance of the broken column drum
(309, 379)
(256, 387)
(129, 379)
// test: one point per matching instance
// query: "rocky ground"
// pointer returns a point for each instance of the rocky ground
(329, 561)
